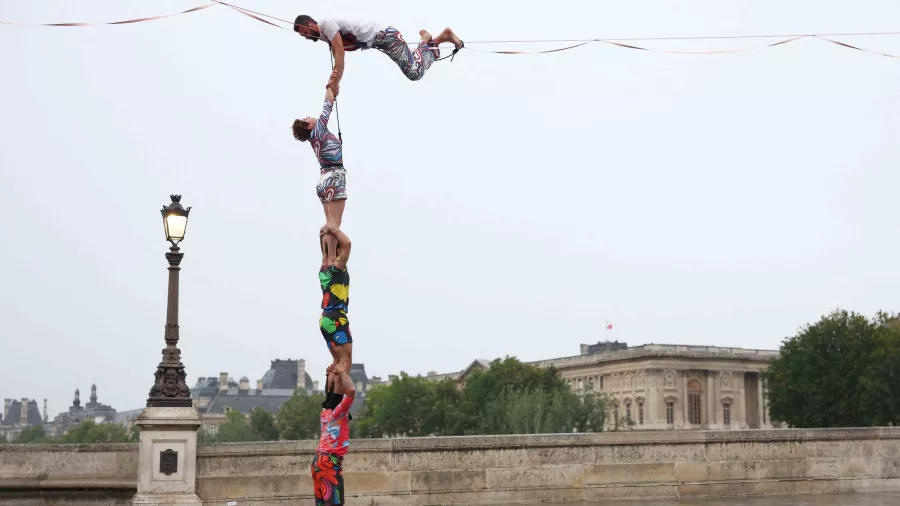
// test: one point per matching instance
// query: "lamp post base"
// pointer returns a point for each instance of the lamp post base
(167, 465)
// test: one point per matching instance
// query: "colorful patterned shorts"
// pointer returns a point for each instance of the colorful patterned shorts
(332, 184)
(412, 63)
(328, 479)
(335, 327)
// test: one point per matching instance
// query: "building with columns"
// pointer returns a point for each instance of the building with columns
(666, 387)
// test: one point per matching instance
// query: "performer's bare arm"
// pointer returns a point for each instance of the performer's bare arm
(346, 382)
(337, 49)
(343, 244)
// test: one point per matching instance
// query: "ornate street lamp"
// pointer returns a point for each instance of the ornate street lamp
(175, 218)
(170, 389)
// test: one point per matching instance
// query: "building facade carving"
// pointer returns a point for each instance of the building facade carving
(670, 379)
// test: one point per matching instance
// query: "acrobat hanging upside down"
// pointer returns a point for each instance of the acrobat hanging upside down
(347, 35)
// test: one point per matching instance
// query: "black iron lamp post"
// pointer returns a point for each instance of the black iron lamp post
(170, 390)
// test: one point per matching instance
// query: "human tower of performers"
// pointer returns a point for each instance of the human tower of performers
(344, 35)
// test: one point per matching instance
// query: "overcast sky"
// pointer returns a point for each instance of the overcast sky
(503, 205)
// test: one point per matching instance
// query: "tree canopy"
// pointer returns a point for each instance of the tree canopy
(508, 398)
(842, 371)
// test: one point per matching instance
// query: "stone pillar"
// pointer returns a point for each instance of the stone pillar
(167, 469)
(766, 422)
(684, 400)
(651, 408)
(301, 374)
(711, 399)
(763, 419)
(742, 402)
(23, 416)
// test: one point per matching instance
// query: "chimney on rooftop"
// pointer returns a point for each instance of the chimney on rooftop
(23, 417)
(259, 387)
(301, 374)
(223, 381)
(6, 404)
(584, 349)
(46, 419)
(315, 386)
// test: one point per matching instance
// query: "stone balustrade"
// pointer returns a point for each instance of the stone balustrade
(484, 469)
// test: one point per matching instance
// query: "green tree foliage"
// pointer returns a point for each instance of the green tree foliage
(90, 432)
(87, 432)
(444, 418)
(32, 435)
(3, 439)
(235, 429)
(298, 418)
(591, 412)
(508, 398)
(842, 371)
(204, 437)
(405, 408)
(880, 400)
(262, 425)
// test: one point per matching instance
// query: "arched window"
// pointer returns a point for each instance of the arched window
(694, 414)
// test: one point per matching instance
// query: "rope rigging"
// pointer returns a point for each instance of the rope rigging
(573, 43)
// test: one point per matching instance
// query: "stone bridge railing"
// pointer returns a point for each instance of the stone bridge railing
(485, 469)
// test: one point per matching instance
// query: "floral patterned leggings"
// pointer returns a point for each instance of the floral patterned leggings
(328, 480)
(413, 64)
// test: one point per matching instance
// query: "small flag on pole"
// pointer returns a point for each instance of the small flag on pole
(608, 326)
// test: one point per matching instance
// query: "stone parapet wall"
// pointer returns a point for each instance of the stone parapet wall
(501, 469)
(88, 475)
(487, 469)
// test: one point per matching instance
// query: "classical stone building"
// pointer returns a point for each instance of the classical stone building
(664, 387)
(93, 410)
(20, 414)
(215, 397)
